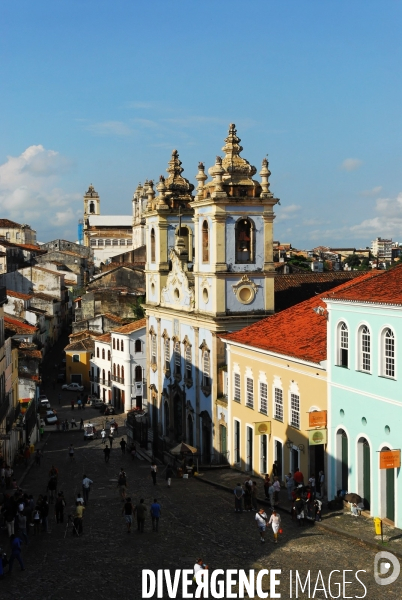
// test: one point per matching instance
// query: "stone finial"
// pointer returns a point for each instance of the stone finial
(201, 178)
(265, 173)
(162, 191)
(235, 165)
(150, 194)
(217, 172)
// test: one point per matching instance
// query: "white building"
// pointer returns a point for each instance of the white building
(209, 270)
(118, 367)
(382, 248)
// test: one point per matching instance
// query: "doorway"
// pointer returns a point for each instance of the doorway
(263, 454)
(278, 458)
(178, 417)
(249, 449)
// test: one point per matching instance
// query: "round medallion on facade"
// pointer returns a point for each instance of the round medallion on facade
(245, 294)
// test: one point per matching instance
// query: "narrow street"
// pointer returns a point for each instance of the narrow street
(197, 520)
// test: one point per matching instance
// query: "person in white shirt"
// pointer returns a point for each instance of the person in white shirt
(312, 485)
(103, 436)
(199, 566)
(261, 519)
(86, 487)
(275, 521)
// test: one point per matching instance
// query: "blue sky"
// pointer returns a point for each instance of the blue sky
(101, 92)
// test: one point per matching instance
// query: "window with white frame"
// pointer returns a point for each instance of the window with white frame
(295, 410)
(177, 359)
(167, 354)
(236, 387)
(343, 354)
(388, 345)
(263, 398)
(278, 404)
(365, 349)
(206, 381)
(153, 349)
(188, 360)
(249, 392)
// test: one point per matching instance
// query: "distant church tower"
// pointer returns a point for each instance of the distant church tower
(91, 207)
(209, 270)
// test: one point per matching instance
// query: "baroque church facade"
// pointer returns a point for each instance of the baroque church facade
(209, 270)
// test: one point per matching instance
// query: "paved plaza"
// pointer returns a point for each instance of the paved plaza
(198, 520)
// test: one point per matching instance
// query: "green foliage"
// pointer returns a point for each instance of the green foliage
(78, 291)
(353, 261)
(138, 310)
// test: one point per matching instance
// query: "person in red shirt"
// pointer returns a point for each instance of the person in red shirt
(298, 477)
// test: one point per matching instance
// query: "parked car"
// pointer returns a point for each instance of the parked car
(44, 403)
(50, 417)
(96, 403)
(109, 410)
(73, 387)
(43, 397)
(90, 431)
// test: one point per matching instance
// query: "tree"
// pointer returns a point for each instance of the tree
(353, 261)
(138, 310)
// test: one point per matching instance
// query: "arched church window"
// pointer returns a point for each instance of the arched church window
(244, 241)
(152, 245)
(205, 242)
(92, 207)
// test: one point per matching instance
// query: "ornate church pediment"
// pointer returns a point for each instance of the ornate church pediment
(245, 290)
(178, 292)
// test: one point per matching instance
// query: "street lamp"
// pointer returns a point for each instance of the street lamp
(289, 444)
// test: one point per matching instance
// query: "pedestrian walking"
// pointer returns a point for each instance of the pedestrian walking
(238, 494)
(155, 514)
(123, 445)
(71, 453)
(45, 514)
(267, 483)
(317, 509)
(298, 477)
(86, 488)
(36, 519)
(321, 480)
(72, 404)
(22, 527)
(15, 553)
(261, 520)
(289, 485)
(275, 522)
(51, 488)
(81, 424)
(110, 437)
(154, 469)
(128, 510)
(275, 469)
(277, 489)
(106, 452)
(73, 423)
(247, 497)
(9, 516)
(59, 507)
(103, 436)
(122, 484)
(169, 475)
(312, 485)
(78, 519)
(140, 511)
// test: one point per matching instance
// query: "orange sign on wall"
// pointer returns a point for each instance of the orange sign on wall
(390, 459)
(317, 418)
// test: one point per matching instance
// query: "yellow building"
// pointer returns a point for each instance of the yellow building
(277, 376)
(78, 357)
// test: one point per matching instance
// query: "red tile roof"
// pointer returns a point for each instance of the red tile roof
(297, 332)
(8, 223)
(16, 324)
(18, 295)
(130, 327)
(106, 337)
(383, 287)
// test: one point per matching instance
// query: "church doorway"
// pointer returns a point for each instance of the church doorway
(178, 417)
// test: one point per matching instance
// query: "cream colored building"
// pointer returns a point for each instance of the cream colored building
(14, 232)
(277, 376)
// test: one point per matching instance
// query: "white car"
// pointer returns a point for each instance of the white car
(73, 387)
(90, 431)
(50, 417)
(44, 403)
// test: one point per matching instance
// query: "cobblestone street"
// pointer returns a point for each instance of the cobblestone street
(197, 520)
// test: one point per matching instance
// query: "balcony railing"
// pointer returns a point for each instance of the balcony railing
(106, 382)
(117, 379)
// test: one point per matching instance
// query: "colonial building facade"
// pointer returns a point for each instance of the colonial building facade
(209, 270)
(364, 371)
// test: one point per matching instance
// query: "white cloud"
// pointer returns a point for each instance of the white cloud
(373, 192)
(387, 222)
(109, 128)
(29, 192)
(287, 212)
(351, 164)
